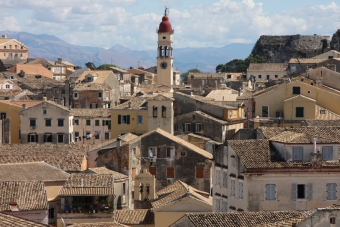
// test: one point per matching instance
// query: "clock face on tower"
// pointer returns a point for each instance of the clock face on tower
(164, 65)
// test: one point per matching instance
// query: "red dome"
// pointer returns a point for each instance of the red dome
(165, 25)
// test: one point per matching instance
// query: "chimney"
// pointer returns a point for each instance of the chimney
(59, 60)
(13, 206)
(23, 106)
(314, 142)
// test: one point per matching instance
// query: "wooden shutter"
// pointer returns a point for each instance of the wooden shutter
(193, 127)
(170, 172)
(267, 191)
(183, 127)
(240, 190)
(133, 173)
(294, 191)
(158, 152)
(310, 191)
(153, 170)
(328, 191)
(273, 191)
(199, 171)
(119, 120)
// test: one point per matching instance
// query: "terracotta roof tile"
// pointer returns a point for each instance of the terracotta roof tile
(31, 171)
(98, 224)
(29, 195)
(100, 112)
(135, 103)
(306, 60)
(269, 67)
(241, 219)
(88, 184)
(68, 157)
(321, 123)
(103, 170)
(91, 87)
(125, 137)
(11, 220)
(176, 191)
(135, 217)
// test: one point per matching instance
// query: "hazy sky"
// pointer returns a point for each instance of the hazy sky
(197, 23)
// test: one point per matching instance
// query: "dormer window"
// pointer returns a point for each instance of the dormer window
(8, 86)
(327, 153)
(296, 91)
(297, 154)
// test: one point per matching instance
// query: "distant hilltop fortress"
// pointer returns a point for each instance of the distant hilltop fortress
(283, 48)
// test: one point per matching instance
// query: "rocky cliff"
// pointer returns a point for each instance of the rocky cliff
(283, 48)
(335, 42)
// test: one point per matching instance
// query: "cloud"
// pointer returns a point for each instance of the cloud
(105, 23)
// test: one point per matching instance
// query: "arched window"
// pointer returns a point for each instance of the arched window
(154, 111)
(166, 51)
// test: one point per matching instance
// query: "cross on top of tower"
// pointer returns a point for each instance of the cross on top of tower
(166, 11)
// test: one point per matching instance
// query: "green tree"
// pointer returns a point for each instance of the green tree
(239, 65)
(184, 76)
(90, 65)
(105, 66)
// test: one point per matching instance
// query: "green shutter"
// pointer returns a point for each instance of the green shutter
(183, 127)
(119, 119)
(193, 127)
(128, 119)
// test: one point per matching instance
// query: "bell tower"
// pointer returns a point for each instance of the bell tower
(164, 51)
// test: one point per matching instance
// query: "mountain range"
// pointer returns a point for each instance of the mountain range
(203, 58)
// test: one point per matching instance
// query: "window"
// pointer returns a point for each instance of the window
(331, 191)
(276, 76)
(299, 112)
(60, 122)
(21, 55)
(96, 123)
(48, 138)
(270, 191)
(153, 171)
(217, 205)
(51, 213)
(76, 134)
(199, 171)
(93, 105)
(322, 111)
(60, 138)
(16, 46)
(124, 188)
(265, 111)
(327, 153)
(123, 119)
(302, 191)
(233, 161)
(75, 95)
(32, 138)
(297, 154)
(107, 135)
(225, 151)
(225, 179)
(163, 112)
(187, 127)
(152, 152)
(97, 135)
(48, 122)
(88, 122)
(240, 190)
(332, 220)
(140, 119)
(10, 46)
(3, 115)
(296, 90)
(217, 177)
(4, 54)
(33, 122)
(8, 86)
(268, 77)
(224, 206)
(170, 172)
(228, 76)
(198, 127)
(154, 111)
(176, 127)
(76, 122)
(100, 94)
(170, 152)
(232, 191)
(44, 112)
(260, 76)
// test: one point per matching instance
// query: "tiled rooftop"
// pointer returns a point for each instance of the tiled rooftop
(267, 67)
(91, 87)
(241, 219)
(321, 123)
(306, 60)
(29, 195)
(11, 220)
(176, 191)
(125, 137)
(100, 112)
(10, 93)
(135, 217)
(40, 171)
(103, 170)
(135, 103)
(98, 224)
(88, 184)
(68, 157)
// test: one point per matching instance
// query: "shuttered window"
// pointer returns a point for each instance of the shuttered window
(240, 190)
(153, 170)
(331, 191)
(123, 119)
(302, 191)
(170, 152)
(296, 90)
(327, 153)
(232, 192)
(218, 172)
(170, 172)
(297, 154)
(225, 179)
(199, 171)
(158, 152)
(224, 206)
(299, 112)
(270, 191)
